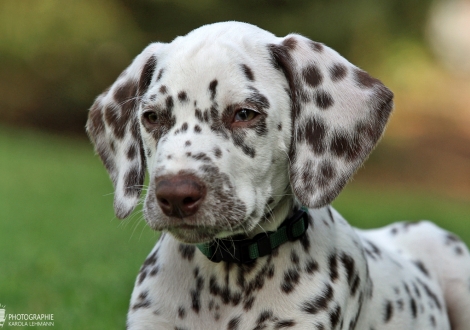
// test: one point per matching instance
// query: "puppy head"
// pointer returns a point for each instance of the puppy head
(228, 121)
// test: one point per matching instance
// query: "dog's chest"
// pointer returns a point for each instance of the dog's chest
(321, 278)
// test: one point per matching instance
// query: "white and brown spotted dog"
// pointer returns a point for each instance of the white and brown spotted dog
(238, 129)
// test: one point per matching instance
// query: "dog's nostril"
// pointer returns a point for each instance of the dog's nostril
(164, 202)
(189, 200)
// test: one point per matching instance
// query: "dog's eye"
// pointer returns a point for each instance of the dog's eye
(245, 114)
(151, 117)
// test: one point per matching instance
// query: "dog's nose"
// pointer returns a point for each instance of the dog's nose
(179, 195)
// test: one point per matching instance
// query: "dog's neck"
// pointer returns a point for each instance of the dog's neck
(274, 216)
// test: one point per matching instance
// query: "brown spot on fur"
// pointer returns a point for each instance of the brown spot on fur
(315, 132)
(290, 43)
(344, 146)
(95, 120)
(323, 99)
(248, 72)
(364, 80)
(169, 103)
(198, 114)
(160, 73)
(338, 72)
(312, 76)
(133, 180)
(183, 97)
(131, 152)
(316, 46)
(213, 88)
(217, 152)
(147, 74)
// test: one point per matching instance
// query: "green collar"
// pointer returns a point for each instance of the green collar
(241, 250)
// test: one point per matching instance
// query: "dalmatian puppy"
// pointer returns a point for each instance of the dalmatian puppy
(247, 138)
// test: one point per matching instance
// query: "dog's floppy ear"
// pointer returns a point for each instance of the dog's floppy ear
(338, 114)
(113, 127)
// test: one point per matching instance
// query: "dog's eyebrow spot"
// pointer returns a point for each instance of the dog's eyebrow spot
(257, 98)
(248, 72)
(213, 88)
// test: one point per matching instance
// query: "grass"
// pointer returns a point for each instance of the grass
(62, 251)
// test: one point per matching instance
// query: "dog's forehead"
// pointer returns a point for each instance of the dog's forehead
(242, 34)
(222, 51)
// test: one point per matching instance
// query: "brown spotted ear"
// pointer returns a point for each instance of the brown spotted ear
(113, 127)
(338, 114)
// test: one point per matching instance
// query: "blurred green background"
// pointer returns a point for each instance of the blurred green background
(62, 251)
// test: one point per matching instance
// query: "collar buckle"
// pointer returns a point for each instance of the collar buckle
(297, 225)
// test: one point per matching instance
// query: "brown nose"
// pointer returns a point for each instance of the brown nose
(179, 195)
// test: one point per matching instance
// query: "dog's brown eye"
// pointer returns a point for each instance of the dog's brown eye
(151, 117)
(245, 115)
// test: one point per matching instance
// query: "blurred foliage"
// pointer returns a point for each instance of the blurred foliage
(56, 56)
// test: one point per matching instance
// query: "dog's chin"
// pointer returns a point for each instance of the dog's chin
(193, 234)
(199, 234)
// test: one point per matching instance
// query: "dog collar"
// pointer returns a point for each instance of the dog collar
(241, 250)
